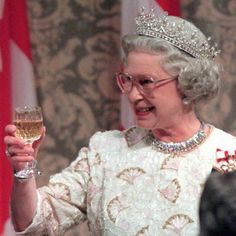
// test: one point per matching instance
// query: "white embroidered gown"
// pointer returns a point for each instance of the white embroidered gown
(133, 191)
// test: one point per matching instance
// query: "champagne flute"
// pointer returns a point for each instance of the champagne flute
(29, 124)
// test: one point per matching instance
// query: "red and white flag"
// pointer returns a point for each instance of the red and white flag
(129, 11)
(16, 87)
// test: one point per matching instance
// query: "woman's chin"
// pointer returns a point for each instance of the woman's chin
(143, 125)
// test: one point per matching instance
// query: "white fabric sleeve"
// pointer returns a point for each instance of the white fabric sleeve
(62, 203)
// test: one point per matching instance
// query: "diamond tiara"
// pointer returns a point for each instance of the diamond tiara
(177, 31)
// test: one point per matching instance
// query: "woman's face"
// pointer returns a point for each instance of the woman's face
(162, 107)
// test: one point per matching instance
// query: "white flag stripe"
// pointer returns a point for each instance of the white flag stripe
(127, 115)
(8, 229)
(23, 86)
(127, 16)
(128, 13)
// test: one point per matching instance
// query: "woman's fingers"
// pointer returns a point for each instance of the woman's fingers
(20, 151)
(19, 162)
(17, 152)
(19, 157)
(10, 129)
(13, 141)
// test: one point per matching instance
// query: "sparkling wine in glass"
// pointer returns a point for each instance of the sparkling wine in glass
(29, 124)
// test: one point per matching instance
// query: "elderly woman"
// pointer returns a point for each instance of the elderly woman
(146, 180)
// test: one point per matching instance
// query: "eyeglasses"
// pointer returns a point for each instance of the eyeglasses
(143, 82)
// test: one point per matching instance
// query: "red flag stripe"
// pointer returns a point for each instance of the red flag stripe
(5, 108)
(14, 49)
(18, 17)
(171, 6)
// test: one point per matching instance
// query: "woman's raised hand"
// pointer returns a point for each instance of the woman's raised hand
(17, 152)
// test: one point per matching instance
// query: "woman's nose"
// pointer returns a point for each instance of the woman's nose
(134, 93)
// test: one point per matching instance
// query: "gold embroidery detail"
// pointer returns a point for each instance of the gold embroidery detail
(177, 223)
(52, 222)
(60, 191)
(172, 191)
(134, 135)
(171, 162)
(130, 174)
(97, 159)
(114, 208)
(82, 165)
(143, 231)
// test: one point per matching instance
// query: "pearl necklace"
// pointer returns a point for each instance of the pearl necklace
(178, 147)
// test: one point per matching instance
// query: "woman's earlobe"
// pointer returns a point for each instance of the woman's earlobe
(186, 101)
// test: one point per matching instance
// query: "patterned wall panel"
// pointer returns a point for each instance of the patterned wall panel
(76, 46)
(217, 18)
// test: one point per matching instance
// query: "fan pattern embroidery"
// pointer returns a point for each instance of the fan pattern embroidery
(177, 223)
(130, 174)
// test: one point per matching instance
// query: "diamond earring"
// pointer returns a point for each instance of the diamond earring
(186, 101)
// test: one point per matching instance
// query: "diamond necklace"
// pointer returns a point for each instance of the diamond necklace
(178, 147)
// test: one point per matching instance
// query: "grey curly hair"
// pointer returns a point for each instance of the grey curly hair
(198, 79)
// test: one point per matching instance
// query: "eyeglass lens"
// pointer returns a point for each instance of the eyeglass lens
(126, 82)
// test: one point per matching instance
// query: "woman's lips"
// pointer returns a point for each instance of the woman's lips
(143, 111)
